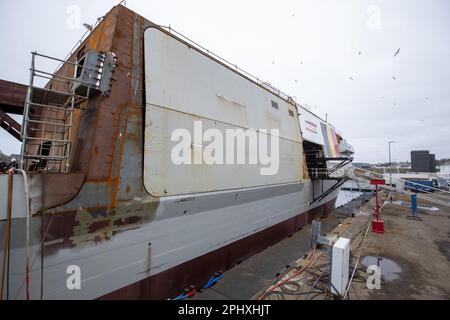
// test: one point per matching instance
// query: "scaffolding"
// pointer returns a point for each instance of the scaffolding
(48, 114)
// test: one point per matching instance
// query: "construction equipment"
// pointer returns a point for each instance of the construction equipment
(49, 110)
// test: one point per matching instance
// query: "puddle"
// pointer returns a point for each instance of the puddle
(389, 269)
(429, 208)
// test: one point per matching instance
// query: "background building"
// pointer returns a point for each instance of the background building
(423, 161)
(445, 167)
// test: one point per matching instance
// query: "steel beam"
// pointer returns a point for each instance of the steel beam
(10, 125)
(12, 96)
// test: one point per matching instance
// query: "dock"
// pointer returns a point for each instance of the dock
(413, 256)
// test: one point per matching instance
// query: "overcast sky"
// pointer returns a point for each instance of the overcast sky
(309, 49)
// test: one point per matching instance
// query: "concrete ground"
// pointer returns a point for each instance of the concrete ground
(419, 252)
(246, 280)
(415, 254)
(249, 277)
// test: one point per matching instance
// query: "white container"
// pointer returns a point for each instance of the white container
(340, 266)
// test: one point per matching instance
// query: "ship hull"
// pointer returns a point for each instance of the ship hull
(126, 220)
(153, 251)
(171, 282)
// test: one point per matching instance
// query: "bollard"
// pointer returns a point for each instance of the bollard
(414, 212)
(414, 204)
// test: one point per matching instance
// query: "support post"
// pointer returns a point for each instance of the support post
(377, 223)
(414, 212)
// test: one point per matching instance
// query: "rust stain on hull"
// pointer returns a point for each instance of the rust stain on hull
(95, 226)
(171, 282)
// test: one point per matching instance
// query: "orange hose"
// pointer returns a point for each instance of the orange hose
(272, 288)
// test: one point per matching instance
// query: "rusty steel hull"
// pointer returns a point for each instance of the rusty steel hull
(99, 217)
(145, 250)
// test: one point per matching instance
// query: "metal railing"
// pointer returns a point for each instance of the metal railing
(288, 98)
(437, 195)
(48, 117)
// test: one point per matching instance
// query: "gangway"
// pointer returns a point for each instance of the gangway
(326, 168)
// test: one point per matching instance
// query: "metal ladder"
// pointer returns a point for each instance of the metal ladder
(48, 117)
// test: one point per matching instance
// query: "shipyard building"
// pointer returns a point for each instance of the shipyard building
(423, 161)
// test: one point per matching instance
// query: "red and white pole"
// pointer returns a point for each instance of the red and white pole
(377, 223)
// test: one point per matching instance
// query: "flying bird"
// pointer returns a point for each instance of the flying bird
(398, 51)
(350, 78)
(394, 78)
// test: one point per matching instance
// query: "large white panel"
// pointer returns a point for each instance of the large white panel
(183, 85)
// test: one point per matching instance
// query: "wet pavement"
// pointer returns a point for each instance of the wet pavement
(415, 253)
(389, 269)
(249, 277)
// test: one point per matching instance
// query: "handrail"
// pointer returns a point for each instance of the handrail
(426, 191)
(78, 43)
(365, 173)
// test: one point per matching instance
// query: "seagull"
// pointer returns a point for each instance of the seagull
(350, 78)
(398, 51)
